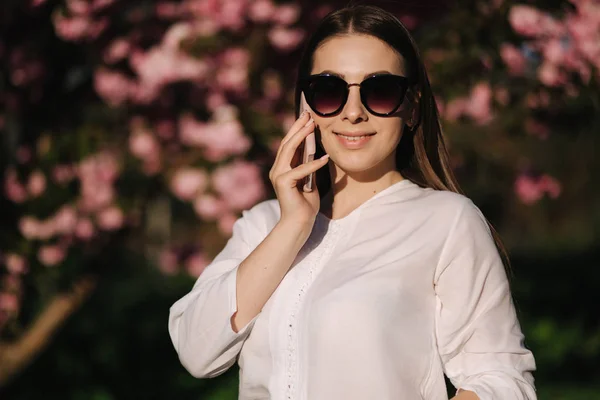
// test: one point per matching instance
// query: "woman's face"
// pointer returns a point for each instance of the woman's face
(353, 57)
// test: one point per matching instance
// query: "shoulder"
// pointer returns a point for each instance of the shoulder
(446, 202)
(453, 210)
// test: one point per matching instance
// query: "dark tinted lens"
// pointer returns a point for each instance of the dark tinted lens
(326, 93)
(383, 94)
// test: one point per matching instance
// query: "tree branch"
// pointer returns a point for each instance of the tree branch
(17, 355)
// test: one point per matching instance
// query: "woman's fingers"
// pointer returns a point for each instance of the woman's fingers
(295, 129)
(286, 150)
(290, 178)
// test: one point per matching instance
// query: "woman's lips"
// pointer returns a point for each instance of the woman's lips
(351, 143)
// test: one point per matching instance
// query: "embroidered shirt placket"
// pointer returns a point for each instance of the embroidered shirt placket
(315, 265)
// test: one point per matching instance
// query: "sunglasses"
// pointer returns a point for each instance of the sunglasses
(381, 94)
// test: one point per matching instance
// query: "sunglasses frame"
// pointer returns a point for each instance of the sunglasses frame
(305, 86)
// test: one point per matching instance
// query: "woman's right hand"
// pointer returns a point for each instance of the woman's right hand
(287, 174)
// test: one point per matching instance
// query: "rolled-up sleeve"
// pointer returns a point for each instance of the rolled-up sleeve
(478, 334)
(200, 322)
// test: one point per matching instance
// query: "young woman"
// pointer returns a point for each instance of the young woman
(382, 279)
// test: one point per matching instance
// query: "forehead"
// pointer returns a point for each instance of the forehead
(357, 55)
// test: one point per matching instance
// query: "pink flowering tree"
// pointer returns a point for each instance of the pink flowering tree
(518, 91)
(149, 126)
(145, 125)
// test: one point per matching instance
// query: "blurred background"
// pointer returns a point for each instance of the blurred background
(133, 134)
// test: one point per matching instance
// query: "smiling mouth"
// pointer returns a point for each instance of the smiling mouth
(351, 138)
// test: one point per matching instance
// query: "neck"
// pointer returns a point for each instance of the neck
(350, 190)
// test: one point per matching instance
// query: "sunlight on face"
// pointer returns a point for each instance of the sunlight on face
(352, 57)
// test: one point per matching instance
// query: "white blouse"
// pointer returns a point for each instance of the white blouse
(377, 305)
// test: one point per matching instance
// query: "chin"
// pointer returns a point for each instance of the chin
(353, 164)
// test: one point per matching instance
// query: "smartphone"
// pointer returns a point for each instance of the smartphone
(310, 148)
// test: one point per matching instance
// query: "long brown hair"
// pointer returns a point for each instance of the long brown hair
(421, 155)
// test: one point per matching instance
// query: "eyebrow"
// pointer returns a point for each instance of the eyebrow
(327, 71)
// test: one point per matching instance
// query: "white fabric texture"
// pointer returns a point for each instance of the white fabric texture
(377, 305)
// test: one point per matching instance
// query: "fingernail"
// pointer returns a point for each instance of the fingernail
(324, 157)
(309, 121)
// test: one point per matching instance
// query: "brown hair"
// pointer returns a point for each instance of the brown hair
(421, 155)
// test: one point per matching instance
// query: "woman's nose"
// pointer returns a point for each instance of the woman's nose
(354, 110)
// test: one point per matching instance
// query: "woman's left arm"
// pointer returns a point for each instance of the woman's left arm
(479, 337)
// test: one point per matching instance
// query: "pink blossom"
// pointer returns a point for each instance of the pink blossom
(261, 10)
(142, 93)
(29, 227)
(36, 184)
(224, 139)
(78, 6)
(167, 262)
(234, 79)
(232, 14)
(176, 34)
(168, 10)
(50, 255)
(239, 184)
(113, 87)
(479, 103)
(513, 58)
(143, 144)
(192, 132)
(188, 182)
(196, 263)
(97, 174)
(63, 173)
(15, 263)
(529, 21)
(110, 219)
(235, 56)
(215, 100)
(102, 167)
(550, 186)
(117, 51)
(95, 196)
(160, 66)
(553, 51)
(531, 190)
(209, 207)
(65, 219)
(455, 108)
(551, 75)
(84, 229)
(165, 129)
(71, 29)
(226, 222)
(527, 189)
(13, 189)
(286, 14)
(285, 39)
(9, 303)
(101, 4)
